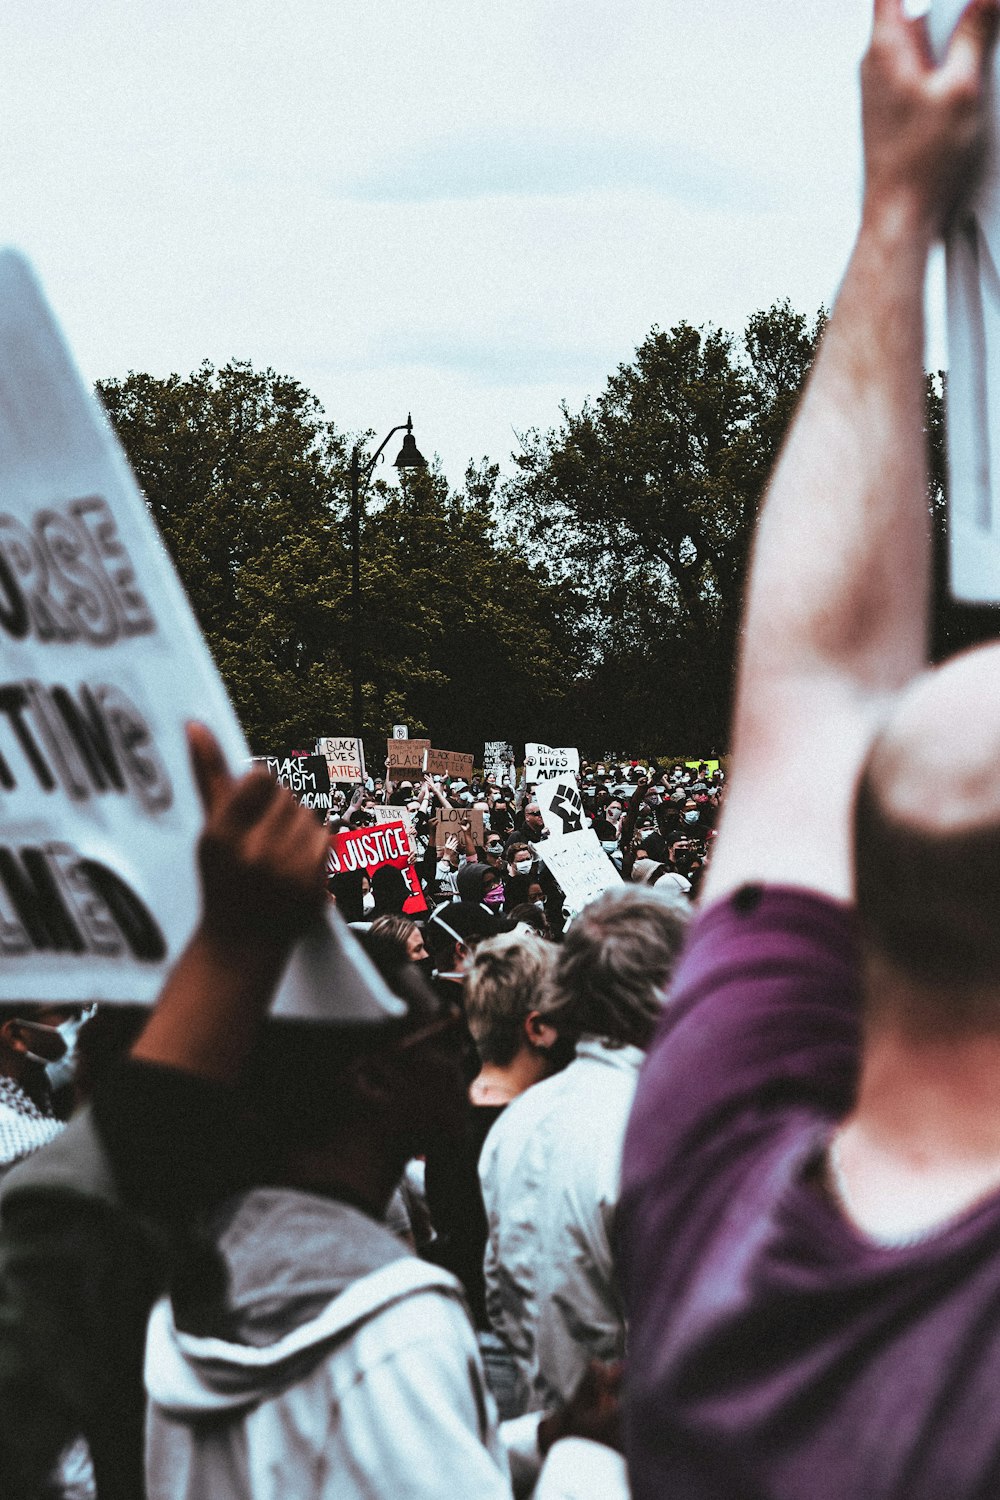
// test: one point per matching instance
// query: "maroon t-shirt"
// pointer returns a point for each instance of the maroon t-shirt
(773, 1351)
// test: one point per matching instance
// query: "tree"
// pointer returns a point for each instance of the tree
(247, 481)
(239, 468)
(478, 642)
(650, 493)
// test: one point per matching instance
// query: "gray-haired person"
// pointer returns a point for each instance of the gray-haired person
(550, 1167)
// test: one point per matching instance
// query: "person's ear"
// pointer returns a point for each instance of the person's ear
(540, 1034)
(11, 1037)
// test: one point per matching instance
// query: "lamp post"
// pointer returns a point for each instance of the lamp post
(409, 458)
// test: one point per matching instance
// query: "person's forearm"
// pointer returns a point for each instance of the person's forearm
(211, 1007)
(840, 568)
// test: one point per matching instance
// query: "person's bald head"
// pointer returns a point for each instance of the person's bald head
(927, 831)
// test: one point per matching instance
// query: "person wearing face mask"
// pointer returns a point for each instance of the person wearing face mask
(480, 884)
(521, 864)
(348, 890)
(29, 1042)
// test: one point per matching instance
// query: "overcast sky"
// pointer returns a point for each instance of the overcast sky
(472, 210)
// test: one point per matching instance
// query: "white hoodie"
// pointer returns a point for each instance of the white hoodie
(338, 1366)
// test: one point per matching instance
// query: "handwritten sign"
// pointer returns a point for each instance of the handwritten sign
(345, 758)
(542, 762)
(572, 851)
(406, 756)
(449, 824)
(448, 763)
(369, 848)
(103, 664)
(498, 760)
(305, 776)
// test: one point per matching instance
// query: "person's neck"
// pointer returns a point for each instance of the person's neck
(922, 1143)
(494, 1084)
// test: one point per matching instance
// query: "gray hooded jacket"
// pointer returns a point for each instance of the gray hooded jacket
(340, 1366)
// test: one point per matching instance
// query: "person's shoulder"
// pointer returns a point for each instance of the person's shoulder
(520, 1128)
(428, 1322)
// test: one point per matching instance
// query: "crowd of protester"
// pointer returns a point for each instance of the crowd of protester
(654, 823)
(650, 1198)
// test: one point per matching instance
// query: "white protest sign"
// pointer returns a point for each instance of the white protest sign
(498, 760)
(345, 758)
(103, 665)
(542, 762)
(572, 850)
(972, 258)
(400, 732)
(386, 813)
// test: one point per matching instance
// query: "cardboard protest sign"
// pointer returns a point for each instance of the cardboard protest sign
(383, 813)
(345, 758)
(449, 823)
(305, 776)
(572, 850)
(103, 666)
(972, 253)
(498, 760)
(386, 844)
(448, 763)
(406, 756)
(542, 762)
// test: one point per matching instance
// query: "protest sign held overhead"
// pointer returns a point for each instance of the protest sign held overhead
(972, 250)
(387, 844)
(541, 762)
(345, 758)
(450, 820)
(498, 760)
(400, 732)
(406, 758)
(448, 763)
(572, 850)
(104, 665)
(386, 813)
(305, 776)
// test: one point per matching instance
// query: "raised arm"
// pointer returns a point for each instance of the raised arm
(836, 618)
(262, 861)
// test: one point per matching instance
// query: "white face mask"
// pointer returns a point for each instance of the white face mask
(522, 866)
(368, 903)
(608, 845)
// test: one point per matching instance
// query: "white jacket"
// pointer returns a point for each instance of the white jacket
(345, 1368)
(550, 1172)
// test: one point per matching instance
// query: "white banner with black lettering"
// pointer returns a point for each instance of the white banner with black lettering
(103, 664)
(542, 762)
(572, 850)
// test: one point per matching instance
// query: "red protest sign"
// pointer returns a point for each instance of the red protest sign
(385, 844)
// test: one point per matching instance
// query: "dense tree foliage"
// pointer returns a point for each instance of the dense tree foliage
(650, 493)
(592, 598)
(462, 638)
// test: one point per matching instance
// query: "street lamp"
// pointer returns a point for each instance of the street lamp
(409, 457)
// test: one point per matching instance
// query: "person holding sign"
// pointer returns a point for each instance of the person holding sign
(810, 1215)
